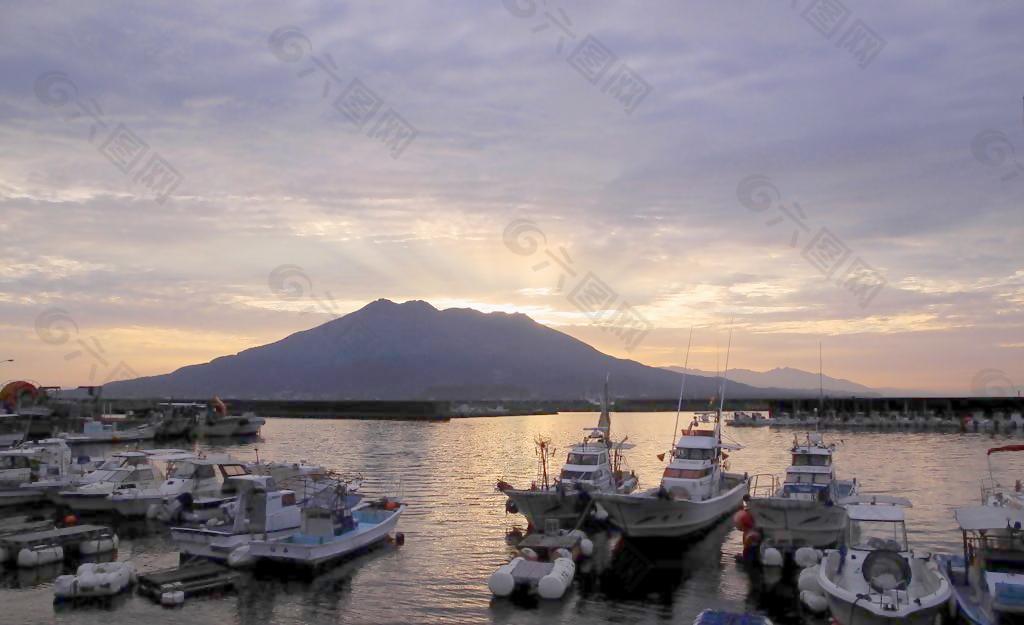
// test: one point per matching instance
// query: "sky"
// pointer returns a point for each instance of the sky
(182, 182)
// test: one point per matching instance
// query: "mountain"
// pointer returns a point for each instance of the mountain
(793, 379)
(414, 351)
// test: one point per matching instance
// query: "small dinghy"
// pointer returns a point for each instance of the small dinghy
(875, 579)
(95, 580)
(546, 564)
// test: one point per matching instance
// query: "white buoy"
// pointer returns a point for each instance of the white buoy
(528, 554)
(554, 584)
(501, 582)
(241, 557)
(39, 556)
(808, 580)
(172, 598)
(806, 556)
(600, 513)
(153, 511)
(99, 545)
(770, 556)
(813, 601)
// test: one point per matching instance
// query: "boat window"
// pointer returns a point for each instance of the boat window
(231, 470)
(686, 474)
(808, 478)
(692, 453)
(13, 462)
(142, 475)
(204, 471)
(586, 459)
(288, 499)
(811, 460)
(577, 475)
(878, 535)
(182, 470)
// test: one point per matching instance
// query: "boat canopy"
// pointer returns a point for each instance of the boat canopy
(812, 450)
(982, 518)
(697, 442)
(994, 450)
(875, 513)
(876, 499)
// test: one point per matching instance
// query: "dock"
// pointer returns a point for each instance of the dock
(64, 537)
(194, 579)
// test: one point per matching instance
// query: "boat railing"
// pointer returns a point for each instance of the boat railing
(764, 485)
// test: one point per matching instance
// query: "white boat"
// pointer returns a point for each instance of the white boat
(741, 419)
(262, 512)
(216, 422)
(695, 490)
(191, 480)
(694, 493)
(124, 470)
(988, 580)
(592, 466)
(993, 491)
(804, 511)
(21, 468)
(332, 528)
(97, 431)
(875, 579)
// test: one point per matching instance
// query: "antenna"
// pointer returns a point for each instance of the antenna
(679, 406)
(725, 377)
(821, 385)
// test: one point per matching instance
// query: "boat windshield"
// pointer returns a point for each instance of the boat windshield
(181, 470)
(14, 462)
(692, 453)
(577, 475)
(584, 459)
(811, 460)
(878, 535)
(110, 463)
(808, 478)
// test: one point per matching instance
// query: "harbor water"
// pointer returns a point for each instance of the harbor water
(456, 524)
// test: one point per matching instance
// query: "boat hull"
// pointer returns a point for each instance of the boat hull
(310, 554)
(646, 516)
(846, 613)
(20, 496)
(215, 545)
(86, 503)
(793, 523)
(538, 506)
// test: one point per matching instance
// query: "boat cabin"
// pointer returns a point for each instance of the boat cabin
(206, 474)
(263, 508)
(694, 467)
(588, 463)
(993, 560)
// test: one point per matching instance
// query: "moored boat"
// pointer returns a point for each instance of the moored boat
(987, 581)
(804, 511)
(595, 465)
(190, 478)
(875, 578)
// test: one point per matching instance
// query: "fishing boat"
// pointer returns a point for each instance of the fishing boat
(988, 579)
(804, 511)
(334, 526)
(195, 482)
(875, 578)
(123, 470)
(594, 465)
(22, 468)
(216, 422)
(262, 512)
(695, 490)
(99, 431)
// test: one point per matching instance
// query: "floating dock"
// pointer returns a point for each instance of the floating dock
(191, 580)
(78, 538)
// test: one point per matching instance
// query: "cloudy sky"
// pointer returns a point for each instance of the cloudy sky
(182, 182)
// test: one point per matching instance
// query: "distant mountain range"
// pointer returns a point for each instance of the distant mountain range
(790, 378)
(415, 351)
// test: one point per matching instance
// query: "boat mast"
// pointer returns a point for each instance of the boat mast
(604, 422)
(721, 393)
(821, 387)
(682, 387)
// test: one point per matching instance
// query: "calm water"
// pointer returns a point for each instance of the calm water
(455, 527)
